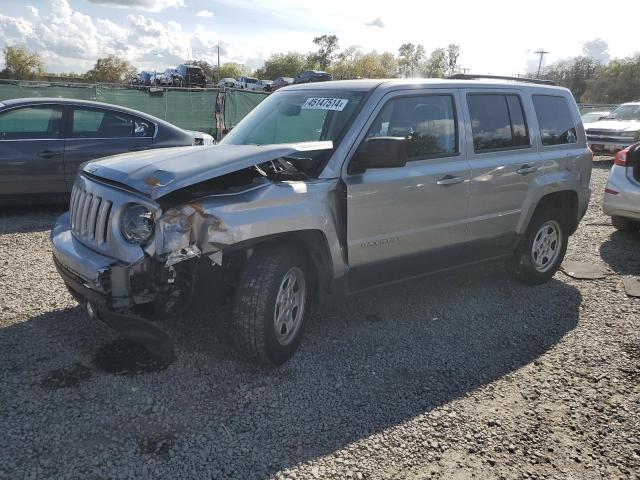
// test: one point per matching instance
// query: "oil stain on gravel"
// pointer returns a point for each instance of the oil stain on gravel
(70, 376)
(159, 444)
(124, 357)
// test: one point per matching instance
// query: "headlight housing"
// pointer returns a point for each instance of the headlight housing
(630, 134)
(137, 224)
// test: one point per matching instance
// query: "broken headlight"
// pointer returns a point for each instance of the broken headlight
(137, 224)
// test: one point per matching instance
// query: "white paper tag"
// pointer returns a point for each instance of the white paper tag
(324, 103)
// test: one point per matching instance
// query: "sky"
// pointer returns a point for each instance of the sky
(495, 36)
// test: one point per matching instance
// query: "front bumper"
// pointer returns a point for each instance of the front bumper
(608, 146)
(625, 203)
(105, 284)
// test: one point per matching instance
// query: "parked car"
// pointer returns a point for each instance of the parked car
(171, 77)
(281, 82)
(227, 82)
(592, 117)
(43, 141)
(323, 191)
(191, 76)
(616, 131)
(145, 78)
(309, 76)
(622, 193)
(246, 83)
(262, 86)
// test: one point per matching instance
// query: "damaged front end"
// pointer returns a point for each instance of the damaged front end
(136, 276)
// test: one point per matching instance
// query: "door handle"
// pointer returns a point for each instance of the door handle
(48, 154)
(526, 169)
(449, 180)
(17, 164)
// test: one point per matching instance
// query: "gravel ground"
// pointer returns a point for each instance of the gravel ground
(469, 375)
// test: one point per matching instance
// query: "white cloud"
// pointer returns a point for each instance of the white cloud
(205, 14)
(32, 10)
(375, 23)
(150, 5)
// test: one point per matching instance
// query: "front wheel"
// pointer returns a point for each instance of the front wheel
(542, 249)
(269, 305)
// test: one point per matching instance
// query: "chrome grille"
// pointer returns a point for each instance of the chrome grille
(89, 215)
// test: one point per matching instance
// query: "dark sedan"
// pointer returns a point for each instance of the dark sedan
(309, 76)
(43, 141)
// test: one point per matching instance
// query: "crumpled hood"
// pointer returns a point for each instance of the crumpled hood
(614, 125)
(159, 172)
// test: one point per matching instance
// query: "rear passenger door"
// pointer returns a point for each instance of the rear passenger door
(32, 151)
(407, 220)
(504, 163)
(97, 132)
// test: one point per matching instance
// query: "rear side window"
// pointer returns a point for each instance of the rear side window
(31, 123)
(557, 126)
(427, 122)
(93, 123)
(497, 122)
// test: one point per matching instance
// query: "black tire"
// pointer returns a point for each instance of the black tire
(521, 266)
(254, 306)
(625, 224)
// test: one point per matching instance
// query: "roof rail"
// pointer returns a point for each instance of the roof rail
(469, 76)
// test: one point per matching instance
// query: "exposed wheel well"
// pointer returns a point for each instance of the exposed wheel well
(567, 202)
(311, 243)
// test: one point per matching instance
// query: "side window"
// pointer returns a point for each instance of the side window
(31, 123)
(94, 123)
(497, 122)
(427, 122)
(557, 127)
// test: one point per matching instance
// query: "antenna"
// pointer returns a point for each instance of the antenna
(542, 53)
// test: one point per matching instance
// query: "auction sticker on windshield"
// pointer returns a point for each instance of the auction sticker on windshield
(325, 103)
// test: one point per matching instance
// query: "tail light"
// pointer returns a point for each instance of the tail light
(621, 158)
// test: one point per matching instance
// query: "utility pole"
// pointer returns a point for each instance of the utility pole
(219, 62)
(542, 53)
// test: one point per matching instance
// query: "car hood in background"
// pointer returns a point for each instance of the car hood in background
(614, 125)
(159, 172)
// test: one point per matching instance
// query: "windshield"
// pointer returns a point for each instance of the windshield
(626, 112)
(297, 116)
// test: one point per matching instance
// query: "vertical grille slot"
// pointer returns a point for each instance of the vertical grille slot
(84, 218)
(93, 217)
(102, 222)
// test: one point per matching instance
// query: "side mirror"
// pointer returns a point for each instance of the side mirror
(380, 152)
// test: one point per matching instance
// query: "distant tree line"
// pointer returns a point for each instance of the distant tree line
(591, 77)
(591, 81)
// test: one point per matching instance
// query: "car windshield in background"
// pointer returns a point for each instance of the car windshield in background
(626, 112)
(297, 116)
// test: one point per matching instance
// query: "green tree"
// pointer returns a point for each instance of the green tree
(282, 65)
(618, 82)
(328, 45)
(453, 53)
(352, 63)
(111, 69)
(21, 64)
(410, 58)
(436, 65)
(574, 74)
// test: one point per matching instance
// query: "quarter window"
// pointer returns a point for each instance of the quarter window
(427, 122)
(497, 122)
(31, 123)
(93, 123)
(557, 126)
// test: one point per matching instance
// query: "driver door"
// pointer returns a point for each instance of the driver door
(405, 221)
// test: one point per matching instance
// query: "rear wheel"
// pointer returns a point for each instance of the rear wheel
(542, 249)
(625, 224)
(269, 306)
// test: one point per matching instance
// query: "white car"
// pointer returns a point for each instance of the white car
(616, 131)
(227, 82)
(246, 83)
(591, 117)
(622, 194)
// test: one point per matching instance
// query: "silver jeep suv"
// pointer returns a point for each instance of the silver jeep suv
(325, 190)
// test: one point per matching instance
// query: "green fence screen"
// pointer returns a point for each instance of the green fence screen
(238, 103)
(188, 109)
